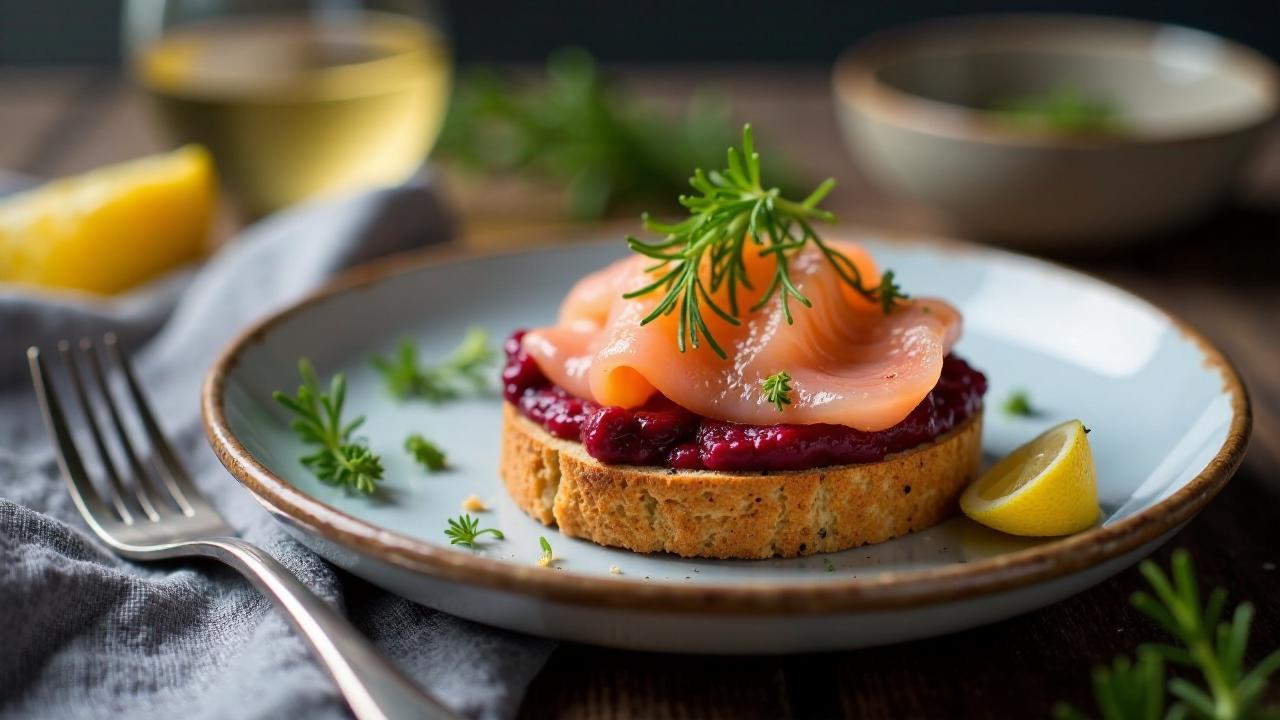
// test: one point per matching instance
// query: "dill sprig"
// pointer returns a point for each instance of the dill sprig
(466, 368)
(1207, 643)
(338, 460)
(777, 389)
(464, 530)
(425, 452)
(735, 214)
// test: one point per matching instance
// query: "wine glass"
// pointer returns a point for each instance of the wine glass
(295, 98)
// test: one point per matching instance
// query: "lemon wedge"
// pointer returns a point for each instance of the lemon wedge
(111, 228)
(1047, 487)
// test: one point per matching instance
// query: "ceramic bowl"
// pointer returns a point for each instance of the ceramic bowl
(914, 105)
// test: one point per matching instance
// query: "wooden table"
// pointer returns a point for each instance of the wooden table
(1222, 275)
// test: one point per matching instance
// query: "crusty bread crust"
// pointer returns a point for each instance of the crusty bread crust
(735, 514)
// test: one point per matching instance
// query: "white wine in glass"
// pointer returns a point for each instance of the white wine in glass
(295, 99)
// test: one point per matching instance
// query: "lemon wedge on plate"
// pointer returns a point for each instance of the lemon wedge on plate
(111, 228)
(1047, 487)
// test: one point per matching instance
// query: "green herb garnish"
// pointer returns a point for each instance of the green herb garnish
(547, 556)
(1064, 109)
(734, 215)
(425, 452)
(465, 529)
(577, 129)
(1205, 642)
(466, 369)
(339, 460)
(1018, 403)
(777, 389)
(829, 565)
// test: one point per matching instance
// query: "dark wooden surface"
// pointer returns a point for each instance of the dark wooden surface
(1222, 275)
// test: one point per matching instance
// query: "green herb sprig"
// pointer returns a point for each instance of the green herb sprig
(577, 129)
(547, 556)
(734, 214)
(1063, 109)
(777, 389)
(465, 530)
(426, 453)
(338, 460)
(1205, 642)
(466, 369)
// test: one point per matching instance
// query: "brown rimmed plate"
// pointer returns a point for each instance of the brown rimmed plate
(1081, 347)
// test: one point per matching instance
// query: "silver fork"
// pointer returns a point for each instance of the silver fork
(157, 513)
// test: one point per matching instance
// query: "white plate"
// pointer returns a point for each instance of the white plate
(1169, 416)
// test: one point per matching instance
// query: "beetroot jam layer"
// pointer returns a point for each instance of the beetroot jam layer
(663, 433)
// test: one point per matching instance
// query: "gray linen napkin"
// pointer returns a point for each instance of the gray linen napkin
(86, 635)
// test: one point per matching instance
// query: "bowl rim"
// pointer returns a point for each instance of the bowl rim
(857, 87)
(888, 590)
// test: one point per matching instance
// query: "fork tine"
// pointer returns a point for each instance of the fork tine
(177, 480)
(118, 493)
(83, 493)
(143, 485)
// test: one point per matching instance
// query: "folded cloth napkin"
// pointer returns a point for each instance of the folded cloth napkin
(84, 634)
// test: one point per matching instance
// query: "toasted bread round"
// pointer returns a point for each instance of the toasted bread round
(703, 513)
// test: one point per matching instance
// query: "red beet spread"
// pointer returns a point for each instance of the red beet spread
(663, 433)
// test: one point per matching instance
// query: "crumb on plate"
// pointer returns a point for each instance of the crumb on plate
(473, 503)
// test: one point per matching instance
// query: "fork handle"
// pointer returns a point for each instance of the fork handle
(373, 687)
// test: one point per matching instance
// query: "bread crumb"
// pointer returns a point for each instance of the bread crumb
(544, 561)
(473, 503)
(615, 570)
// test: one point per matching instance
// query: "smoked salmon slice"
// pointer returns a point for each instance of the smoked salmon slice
(850, 363)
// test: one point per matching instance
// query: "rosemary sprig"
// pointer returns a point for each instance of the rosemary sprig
(466, 368)
(338, 460)
(425, 452)
(735, 214)
(777, 389)
(1206, 642)
(1128, 691)
(464, 530)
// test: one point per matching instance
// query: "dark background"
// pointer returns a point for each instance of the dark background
(804, 31)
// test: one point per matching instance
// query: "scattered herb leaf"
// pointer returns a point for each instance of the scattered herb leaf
(464, 530)
(777, 389)
(890, 293)
(1018, 403)
(425, 452)
(467, 368)
(338, 460)
(547, 556)
(829, 566)
(1205, 642)
(733, 213)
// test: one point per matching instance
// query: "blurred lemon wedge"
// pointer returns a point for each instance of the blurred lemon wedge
(1047, 487)
(111, 228)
